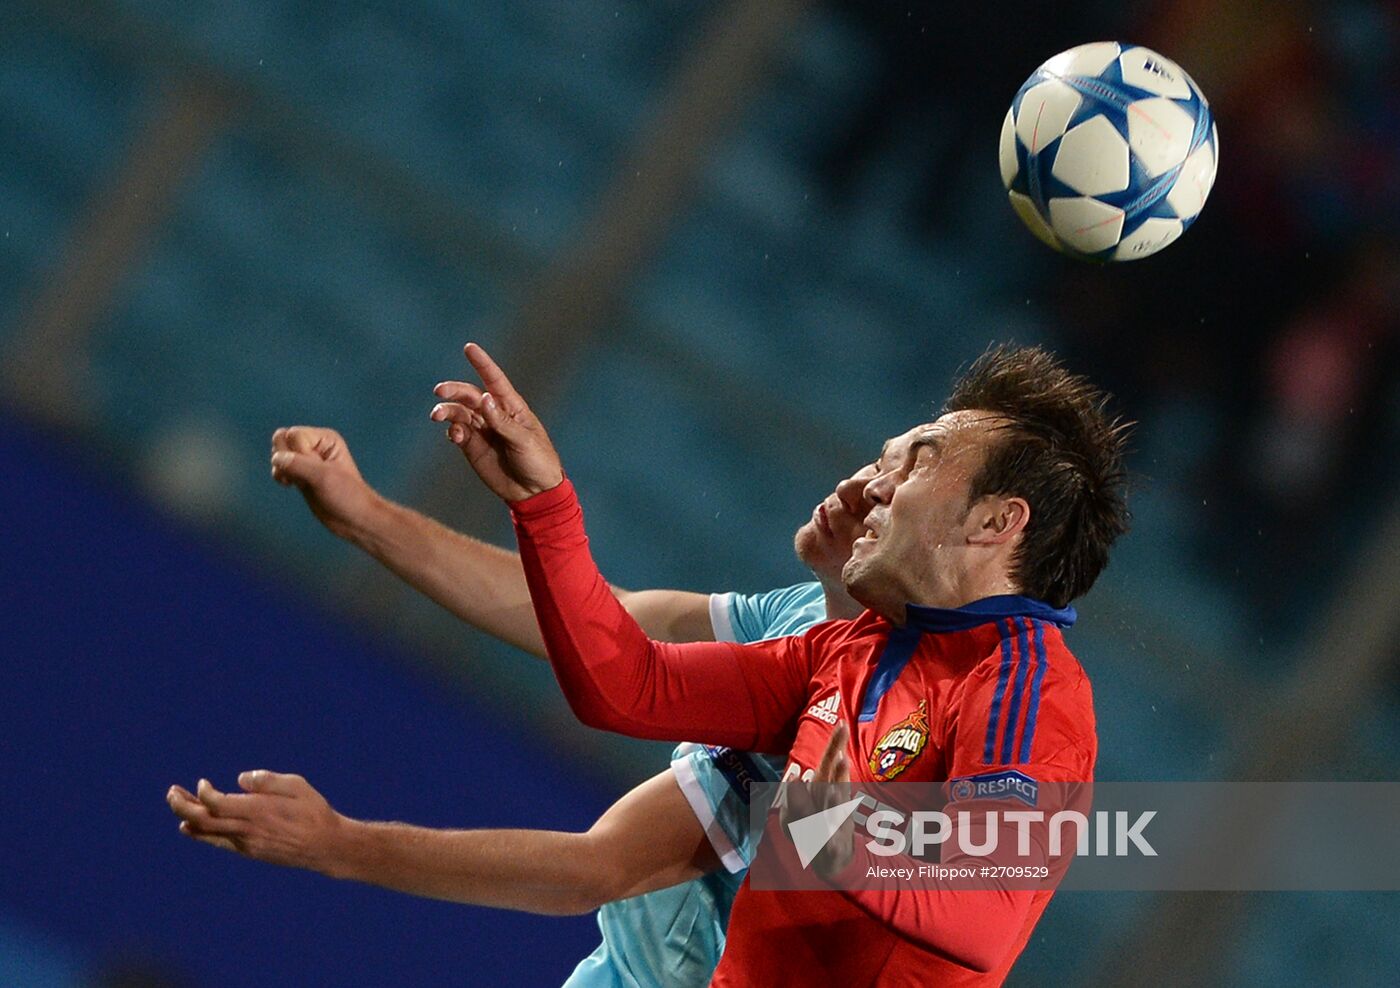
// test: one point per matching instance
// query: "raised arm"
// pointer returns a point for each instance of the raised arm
(482, 584)
(649, 839)
(613, 675)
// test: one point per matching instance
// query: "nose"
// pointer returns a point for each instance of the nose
(850, 492)
(879, 489)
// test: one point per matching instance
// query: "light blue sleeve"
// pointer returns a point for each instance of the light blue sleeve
(717, 783)
(753, 617)
(674, 936)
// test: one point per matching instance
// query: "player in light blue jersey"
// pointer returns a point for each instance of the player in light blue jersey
(661, 866)
(674, 936)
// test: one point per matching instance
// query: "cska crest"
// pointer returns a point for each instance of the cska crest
(901, 745)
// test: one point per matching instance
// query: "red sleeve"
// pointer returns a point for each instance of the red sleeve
(615, 678)
(1052, 743)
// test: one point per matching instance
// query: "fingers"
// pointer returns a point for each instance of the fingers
(223, 804)
(300, 453)
(298, 438)
(834, 766)
(495, 405)
(463, 425)
(206, 838)
(205, 792)
(488, 416)
(199, 816)
(497, 419)
(453, 411)
(462, 405)
(467, 394)
(297, 468)
(307, 439)
(272, 783)
(842, 772)
(493, 379)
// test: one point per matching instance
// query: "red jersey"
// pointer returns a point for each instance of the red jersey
(985, 689)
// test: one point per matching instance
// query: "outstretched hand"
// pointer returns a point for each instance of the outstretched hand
(280, 819)
(493, 427)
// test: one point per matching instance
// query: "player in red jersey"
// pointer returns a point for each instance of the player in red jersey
(981, 532)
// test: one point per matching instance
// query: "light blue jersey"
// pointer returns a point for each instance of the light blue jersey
(674, 936)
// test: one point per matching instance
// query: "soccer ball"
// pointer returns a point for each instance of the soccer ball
(1108, 152)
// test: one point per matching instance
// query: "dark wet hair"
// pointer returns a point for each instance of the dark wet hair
(1062, 451)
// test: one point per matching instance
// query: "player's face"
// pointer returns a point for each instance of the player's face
(915, 547)
(824, 542)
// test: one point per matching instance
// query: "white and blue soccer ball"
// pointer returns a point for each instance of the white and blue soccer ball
(1109, 152)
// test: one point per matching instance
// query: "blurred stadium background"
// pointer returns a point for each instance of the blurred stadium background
(726, 248)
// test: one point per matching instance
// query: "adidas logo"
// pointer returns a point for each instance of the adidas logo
(826, 710)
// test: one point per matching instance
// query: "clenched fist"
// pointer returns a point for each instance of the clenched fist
(318, 463)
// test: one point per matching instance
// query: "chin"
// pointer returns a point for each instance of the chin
(855, 575)
(806, 543)
(861, 578)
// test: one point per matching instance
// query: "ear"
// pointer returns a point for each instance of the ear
(996, 520)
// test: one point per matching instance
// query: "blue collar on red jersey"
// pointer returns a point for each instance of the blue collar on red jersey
(985, 610)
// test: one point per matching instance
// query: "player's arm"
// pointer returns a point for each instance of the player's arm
(612, 674)
(479, 583)
(666, 615)
(649, 839)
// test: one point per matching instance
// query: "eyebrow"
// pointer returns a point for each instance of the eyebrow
(928, 440)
